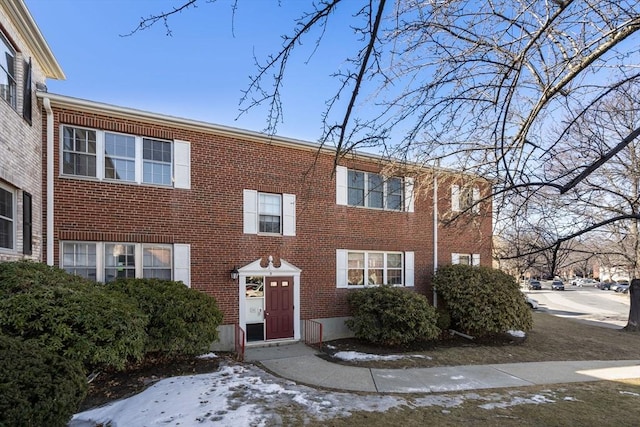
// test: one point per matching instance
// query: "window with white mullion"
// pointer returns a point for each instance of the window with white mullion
(7, 218)
(8, 85)
(157, 161)
(80, 258)
(119, 157)
(269, 213)
(157, 261)
(119, 261)
(79, 152)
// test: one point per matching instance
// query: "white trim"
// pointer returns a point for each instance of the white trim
(256, 269)
(341, 268)
(476, 200)
(409, 268)
(341, 185)
(455, 258)
(250, 211)
(455, 198)
(181, 263)
(288, 214)
(182, 164)
(475, 259)
(14, 218)
(409, 195)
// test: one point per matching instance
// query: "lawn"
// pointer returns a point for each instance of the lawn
(553, 338)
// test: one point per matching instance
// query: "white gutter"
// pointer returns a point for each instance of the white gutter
(47, 107)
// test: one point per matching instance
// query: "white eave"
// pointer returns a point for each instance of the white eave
(62, 101)
(30, 33)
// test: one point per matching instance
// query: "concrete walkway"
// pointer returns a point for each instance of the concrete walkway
(300, 363)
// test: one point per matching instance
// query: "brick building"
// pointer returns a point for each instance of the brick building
(134, 193)
(25, 63)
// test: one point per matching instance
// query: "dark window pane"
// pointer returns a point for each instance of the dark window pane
(27, 232)
(356, 188)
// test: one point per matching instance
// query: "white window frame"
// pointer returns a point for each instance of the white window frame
(342, 190)
(12, 220)
(10, 92)
(342, 267)
(474, 259)
(180, 160)
(251, 213)
(180, 259)
(74, 266)
(465, 198)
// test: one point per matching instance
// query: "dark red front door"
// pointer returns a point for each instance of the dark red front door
(278, 313)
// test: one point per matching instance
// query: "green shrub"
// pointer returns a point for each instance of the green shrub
(181, 320)
(387, 315)
(37, 387)
(70, 316)
(481, 300)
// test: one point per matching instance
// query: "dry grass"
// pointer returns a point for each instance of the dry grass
(552, 338)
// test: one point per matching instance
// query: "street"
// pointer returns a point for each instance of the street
(588, 303)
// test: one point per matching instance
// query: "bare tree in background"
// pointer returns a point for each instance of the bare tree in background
(497, 88)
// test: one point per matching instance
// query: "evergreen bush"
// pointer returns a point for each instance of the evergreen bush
(391, 316)
(482, 301)
(37, 387)
(69, 316)
(182, 321)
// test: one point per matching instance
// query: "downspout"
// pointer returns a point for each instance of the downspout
(435, 233)
(47, 107)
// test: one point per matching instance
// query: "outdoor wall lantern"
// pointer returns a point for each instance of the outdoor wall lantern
(234, 273)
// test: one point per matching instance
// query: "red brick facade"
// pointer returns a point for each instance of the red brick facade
(209, 215)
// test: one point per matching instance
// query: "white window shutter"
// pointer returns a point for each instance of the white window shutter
(289, 214)
(341, 268)
(475, 259)
(409, 194)
(455, 258)
(250, 211)
(455, 198)
(341, 185)
(409, 269)
(182, 263)
(182, 164)
(476, 200)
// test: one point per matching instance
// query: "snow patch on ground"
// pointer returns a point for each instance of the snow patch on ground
(357, 356)
(244, 395)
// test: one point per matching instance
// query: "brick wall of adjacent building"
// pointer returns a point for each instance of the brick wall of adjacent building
(209, 216)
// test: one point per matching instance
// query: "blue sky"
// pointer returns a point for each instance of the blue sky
(200, 71)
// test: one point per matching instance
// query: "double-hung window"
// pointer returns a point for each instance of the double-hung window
(7, 72)
(79, 152)
(108, 261)
(464, 198)
(363, 268)
(375, 191)
(128, 158)
(465, 259)
(7, 218)
(119, 157)
(268, 213)
(80, 258)
(157, 161)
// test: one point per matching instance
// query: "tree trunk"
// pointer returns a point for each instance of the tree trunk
(633, 325)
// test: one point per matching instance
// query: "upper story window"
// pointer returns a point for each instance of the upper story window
(363, 268)
(374, 191)
(7, 218)
(7, 72)
(268, 213)
(371, 190)
(128, 158)
(465, 198)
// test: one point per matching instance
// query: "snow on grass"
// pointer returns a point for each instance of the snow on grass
(517, 334)
(244, 395)
(357, 356)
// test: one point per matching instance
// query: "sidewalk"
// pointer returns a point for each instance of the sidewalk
(299, 363)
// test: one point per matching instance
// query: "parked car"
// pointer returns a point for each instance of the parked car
(535, 285)
(616, 285)
(576, 281)
(557, 285)
(622, 288)
(604, 286)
